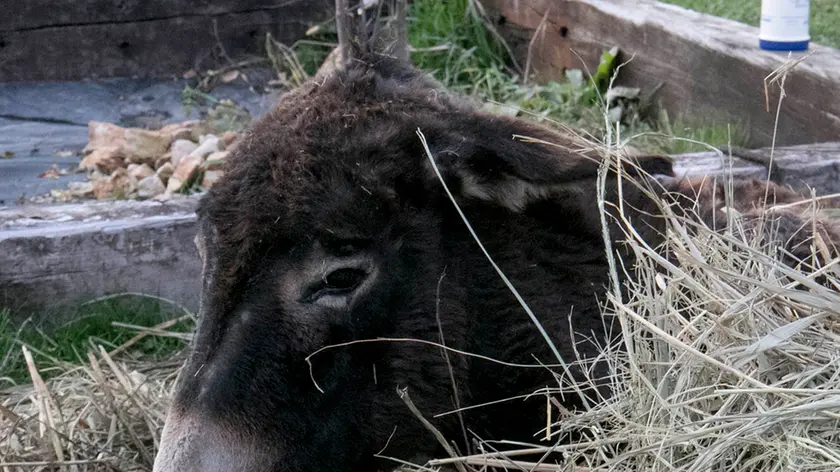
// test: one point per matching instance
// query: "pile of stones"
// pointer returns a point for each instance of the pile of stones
(135, 163)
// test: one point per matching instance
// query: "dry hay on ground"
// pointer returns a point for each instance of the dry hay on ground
(733, 364)
(106, 415)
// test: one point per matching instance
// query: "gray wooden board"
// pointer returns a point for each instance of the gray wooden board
(804, 167)
(162, 46)
(710, 68)
(717, 165)
(801, 167)
(40, 14)
(54, 257)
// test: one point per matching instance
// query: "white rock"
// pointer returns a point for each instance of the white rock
(173, 185)
(131, 144)
(118, 185)
(140, 172)
(187, 167)
(105, 159)
(180, 149)
(211, 177)
(216, 160)
(150, 186)
(209, 144)
(165, 171)
(81, 189)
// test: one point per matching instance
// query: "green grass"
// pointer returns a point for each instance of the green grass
(825, 15)
(453, 43)
(91, 326)
(475, 63)
(685, 135)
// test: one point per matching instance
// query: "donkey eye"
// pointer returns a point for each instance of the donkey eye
(344, 279)
(337, 283)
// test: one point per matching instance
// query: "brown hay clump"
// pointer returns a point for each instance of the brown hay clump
(734, 358)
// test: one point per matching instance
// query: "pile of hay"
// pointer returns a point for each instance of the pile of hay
(731, 361)
(106, 415)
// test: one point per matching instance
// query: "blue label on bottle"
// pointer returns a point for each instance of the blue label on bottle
(783, 45)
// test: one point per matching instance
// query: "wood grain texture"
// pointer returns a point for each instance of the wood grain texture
(38, 14)
(802, 167)
(159, 38)
(55, 256)
(709, 67)
(718, 165)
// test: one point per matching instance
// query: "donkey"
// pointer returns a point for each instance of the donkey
(336, 265)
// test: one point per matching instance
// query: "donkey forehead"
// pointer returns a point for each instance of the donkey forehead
(341, 202)
(311, 165)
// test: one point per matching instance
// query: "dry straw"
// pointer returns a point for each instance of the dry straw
(728, 360)
(106, 415)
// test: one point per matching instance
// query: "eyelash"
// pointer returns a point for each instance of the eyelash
(338, 282)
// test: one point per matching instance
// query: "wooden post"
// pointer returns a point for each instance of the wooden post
(342, 25)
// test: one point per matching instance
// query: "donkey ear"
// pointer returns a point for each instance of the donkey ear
(513, 163)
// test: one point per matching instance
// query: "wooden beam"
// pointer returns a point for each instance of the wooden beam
(53, 257)
(142, 41)
(39, 14)
(709, 68)
(801, 167)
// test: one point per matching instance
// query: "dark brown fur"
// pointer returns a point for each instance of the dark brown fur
(333, 189)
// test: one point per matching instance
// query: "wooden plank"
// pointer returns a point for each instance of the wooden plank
(709, 68)
(154, 48)
(802, 167)
(39, 14)
(713, 164)
(53, 257)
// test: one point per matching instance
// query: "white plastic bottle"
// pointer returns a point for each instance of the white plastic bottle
(784, 25)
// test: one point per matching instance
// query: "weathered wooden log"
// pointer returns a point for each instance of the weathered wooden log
(709, 67)
(38, 14)
(803, 167)
(814, 165)
(53, 257)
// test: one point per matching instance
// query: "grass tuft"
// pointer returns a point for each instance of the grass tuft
(55, 348)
